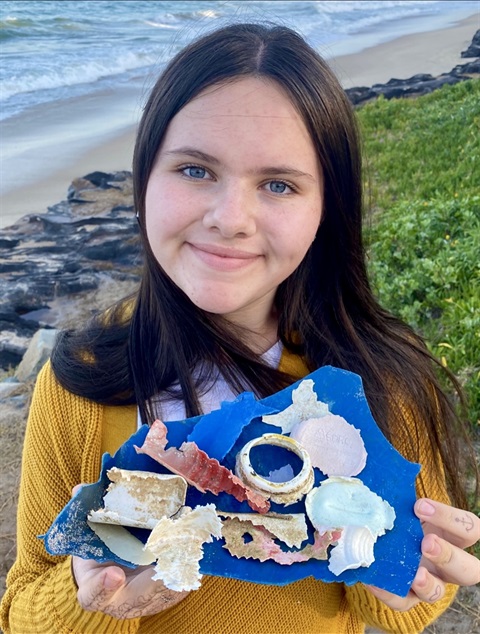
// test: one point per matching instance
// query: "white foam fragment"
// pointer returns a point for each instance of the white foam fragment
(177, 546)
(305, 405)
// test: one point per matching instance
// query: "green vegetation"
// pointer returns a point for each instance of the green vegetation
(423, 165)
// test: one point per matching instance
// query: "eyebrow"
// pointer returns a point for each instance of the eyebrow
(264, 171)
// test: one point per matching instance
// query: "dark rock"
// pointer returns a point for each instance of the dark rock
(362, 93)
(474, 49)
(104, 180)
(422, 83)
(8, 243)
(414, 86)
(72, 284)
(470, 68)
(95, 180)
(51, 261)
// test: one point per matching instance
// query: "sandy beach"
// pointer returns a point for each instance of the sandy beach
(83, 139)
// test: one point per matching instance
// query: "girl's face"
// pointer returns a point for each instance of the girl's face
(234, 200)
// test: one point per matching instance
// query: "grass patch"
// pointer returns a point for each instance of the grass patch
(423, 164)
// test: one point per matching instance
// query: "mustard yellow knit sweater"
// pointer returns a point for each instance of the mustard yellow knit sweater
(66, 436)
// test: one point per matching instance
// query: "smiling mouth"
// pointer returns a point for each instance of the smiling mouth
(221, 258)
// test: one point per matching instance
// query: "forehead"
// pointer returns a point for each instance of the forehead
(247, 95)
(250, 109)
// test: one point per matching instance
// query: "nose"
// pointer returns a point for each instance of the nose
(232, 212)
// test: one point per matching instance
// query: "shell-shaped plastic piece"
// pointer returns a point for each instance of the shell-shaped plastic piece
(334, 445)
(353, 550)
(280, 492)
(341, 502)
(362, 515)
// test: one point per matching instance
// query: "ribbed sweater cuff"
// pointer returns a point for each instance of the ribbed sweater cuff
(375, 613)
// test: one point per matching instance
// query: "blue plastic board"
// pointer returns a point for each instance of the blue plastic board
(221, 434)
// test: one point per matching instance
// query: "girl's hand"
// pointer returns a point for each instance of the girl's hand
(121, 592)
(124, 593)
(447, 531)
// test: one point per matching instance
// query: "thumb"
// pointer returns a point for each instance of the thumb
(113, 578)
(97, 586)
(76, 489)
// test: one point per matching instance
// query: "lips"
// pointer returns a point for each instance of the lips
(222, 258)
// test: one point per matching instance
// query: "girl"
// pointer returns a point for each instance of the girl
(248, 193)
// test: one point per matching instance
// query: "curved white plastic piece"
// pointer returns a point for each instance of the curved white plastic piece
(281, 492)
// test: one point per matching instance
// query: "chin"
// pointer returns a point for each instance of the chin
(216, 306)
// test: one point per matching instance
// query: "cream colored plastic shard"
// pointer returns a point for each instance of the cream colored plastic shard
(286, 492)
(305, 405)
(123, 544)
(140, 498)
(290, 529)
(177, 546)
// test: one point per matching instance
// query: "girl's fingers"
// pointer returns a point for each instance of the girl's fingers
(76, 489)
(452, 564)
(427, 587)
(98, 592)
(401, 604)
(462, 527)
(123, 595)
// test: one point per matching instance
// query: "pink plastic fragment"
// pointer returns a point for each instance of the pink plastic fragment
(334, 445)
(198, 469)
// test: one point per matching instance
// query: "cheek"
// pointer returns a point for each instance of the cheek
(168, 198)
(163, 212)
(298, 236)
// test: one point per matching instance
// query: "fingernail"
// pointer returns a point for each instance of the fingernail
(111, 583)
(421, 577)
(425, 508)
(432, 547)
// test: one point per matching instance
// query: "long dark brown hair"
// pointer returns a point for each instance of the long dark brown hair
(326, 308)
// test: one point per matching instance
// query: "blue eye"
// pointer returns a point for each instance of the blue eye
(195, 172)
(278, 187)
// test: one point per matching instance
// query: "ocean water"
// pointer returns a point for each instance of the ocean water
(52, 51)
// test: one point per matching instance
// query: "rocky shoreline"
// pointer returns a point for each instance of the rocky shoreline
(54, 266)
(58, 267)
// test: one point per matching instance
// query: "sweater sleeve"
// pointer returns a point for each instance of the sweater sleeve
(61, 449)
(430, 483)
